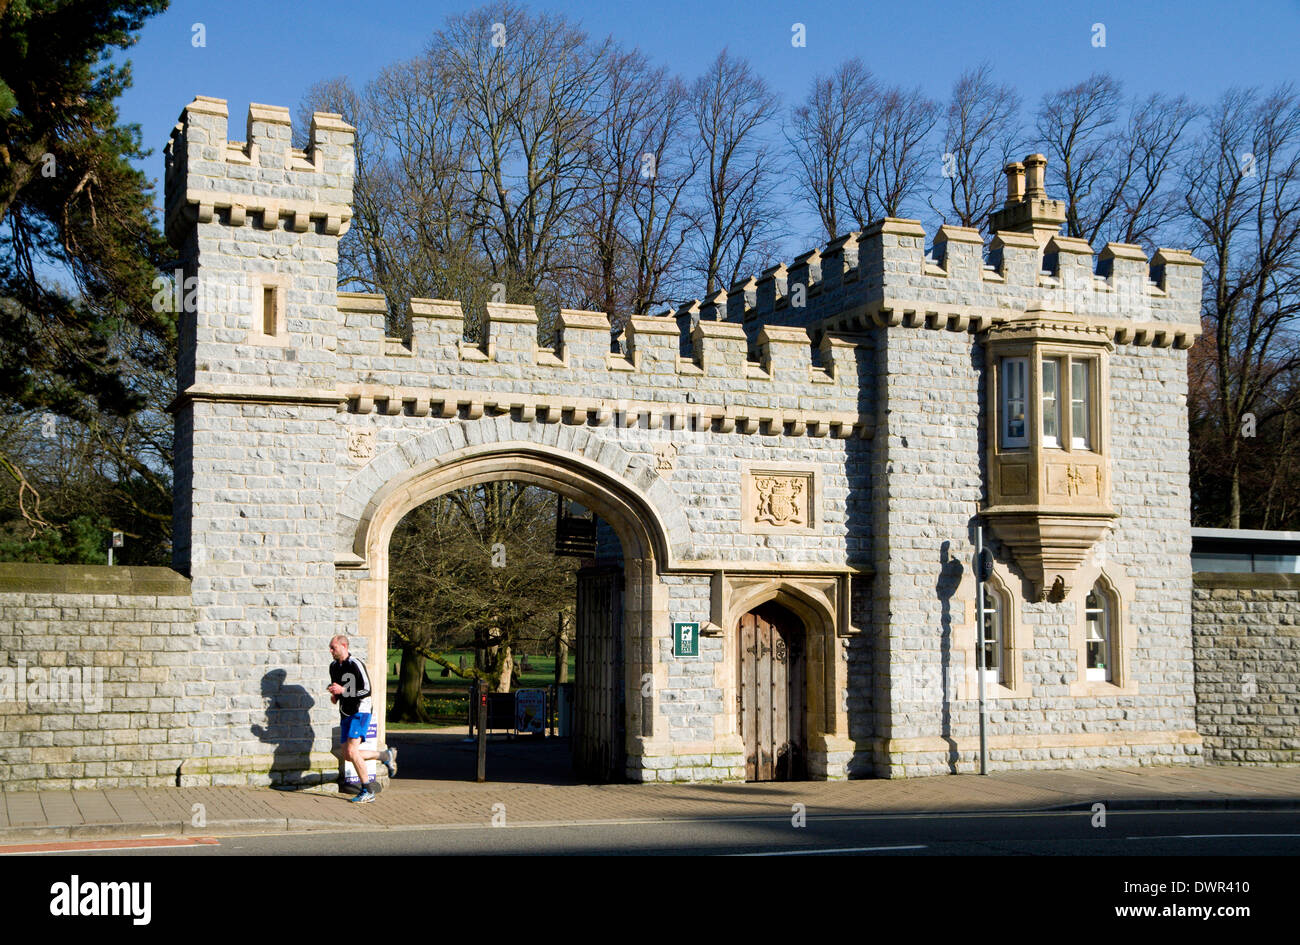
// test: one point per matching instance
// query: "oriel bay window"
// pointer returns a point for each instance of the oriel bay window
(1059, 379)
(1048, 468)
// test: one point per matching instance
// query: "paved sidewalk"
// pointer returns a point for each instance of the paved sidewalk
(54, 815)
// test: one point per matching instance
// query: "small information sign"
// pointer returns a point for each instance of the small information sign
(530, 711)
(686, 638)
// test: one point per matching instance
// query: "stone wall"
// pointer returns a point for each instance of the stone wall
(97, 683)
(1246, 631)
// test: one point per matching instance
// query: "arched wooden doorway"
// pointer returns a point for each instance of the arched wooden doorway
(773, 697)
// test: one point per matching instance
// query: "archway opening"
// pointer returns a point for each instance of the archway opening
(609, 597)
(502, 590)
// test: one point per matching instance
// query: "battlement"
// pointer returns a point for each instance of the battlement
(791, 349)
(433, 371)
(883, 276)
(263, 179)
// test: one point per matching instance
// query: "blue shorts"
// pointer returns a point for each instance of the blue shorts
(353, 726)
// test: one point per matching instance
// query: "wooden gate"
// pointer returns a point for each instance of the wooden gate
(772, 694)
(599, 742)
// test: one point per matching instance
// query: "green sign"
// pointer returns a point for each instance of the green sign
(686, 639)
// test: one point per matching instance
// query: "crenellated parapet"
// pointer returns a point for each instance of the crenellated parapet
(262, 179)
(789, 348)
(650, 383)
(884, 276)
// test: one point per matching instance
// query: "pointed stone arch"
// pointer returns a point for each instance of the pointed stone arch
(618, 485)
(821, 604)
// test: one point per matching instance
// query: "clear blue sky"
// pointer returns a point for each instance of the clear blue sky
(272, 51)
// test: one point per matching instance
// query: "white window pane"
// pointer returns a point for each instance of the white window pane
(1051, 404)
(1080, 421)
(1097, 641)
(991, 636)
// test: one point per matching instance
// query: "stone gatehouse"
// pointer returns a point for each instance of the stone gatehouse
(798, 465)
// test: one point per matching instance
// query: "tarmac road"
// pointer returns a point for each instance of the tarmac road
(1175, 833)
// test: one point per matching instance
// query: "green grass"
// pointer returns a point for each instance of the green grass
(541, 674)
(448, 707)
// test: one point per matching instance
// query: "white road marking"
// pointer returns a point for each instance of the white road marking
(917, 846)
(1212, 836)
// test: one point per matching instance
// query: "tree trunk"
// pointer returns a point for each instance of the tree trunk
(408, 706)
(1234, 478)
(561, 655)
(506, 663)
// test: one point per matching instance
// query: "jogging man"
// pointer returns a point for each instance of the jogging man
(350, 688)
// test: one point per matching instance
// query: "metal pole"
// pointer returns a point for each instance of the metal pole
(979, 646)
(110, 556)
(482, 735)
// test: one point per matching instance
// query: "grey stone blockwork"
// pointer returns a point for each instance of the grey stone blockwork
(304, 433)
(1247, 638)
(98, 684)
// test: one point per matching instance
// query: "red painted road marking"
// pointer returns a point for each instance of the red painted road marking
(74, 846)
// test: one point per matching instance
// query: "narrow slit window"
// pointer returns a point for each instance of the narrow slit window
(269, 326)
(991, 636)
(1051, 401)
(1097, 613)
(1080, 425)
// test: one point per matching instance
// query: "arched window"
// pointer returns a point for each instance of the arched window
(1099, 614)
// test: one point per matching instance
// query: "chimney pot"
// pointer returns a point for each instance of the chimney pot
(1035, 173)
(1015, 182)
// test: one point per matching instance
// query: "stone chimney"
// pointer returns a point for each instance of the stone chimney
(1015, 183)
(1028, 208)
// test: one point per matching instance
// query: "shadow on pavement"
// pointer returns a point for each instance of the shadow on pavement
(446, 756)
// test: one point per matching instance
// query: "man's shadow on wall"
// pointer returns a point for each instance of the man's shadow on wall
(288, 728)
(950, 574)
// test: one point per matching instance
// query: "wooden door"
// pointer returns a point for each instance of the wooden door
(772, 695)
(599, 741)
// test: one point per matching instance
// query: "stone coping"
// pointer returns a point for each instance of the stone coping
(1247, 580)
(91, 579)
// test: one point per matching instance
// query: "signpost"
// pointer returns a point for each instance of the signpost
(482, 733)
(983, 571)
(686, 639)
(116, 542)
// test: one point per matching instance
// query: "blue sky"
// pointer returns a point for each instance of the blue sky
(272, 51)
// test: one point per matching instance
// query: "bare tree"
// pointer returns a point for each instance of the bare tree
(890, 168)
(1116, 176)
(410, 236)
(981, 136)
(527, 87)
(1242, 194)
(1077, 126)
(633, 220)
(1143, 203)
(732, 107)
(825, 133)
